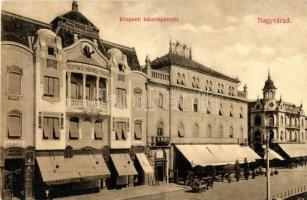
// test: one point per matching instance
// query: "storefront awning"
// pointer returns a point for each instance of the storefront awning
(59, 170)
(123, 164)
(144, 163)
(273, 155)
(294, 150)
(205, 155)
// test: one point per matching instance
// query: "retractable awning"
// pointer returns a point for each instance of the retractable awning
(123, 164)
(205, 155)
(59, 170)
(294, 150)
(273, 155)
(144, 163)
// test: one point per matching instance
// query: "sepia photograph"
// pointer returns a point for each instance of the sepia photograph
(153, 100)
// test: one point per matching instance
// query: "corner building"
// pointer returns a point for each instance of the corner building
(67, 120)
(280, 122)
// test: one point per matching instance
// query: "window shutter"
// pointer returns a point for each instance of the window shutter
(50, 86)
(14, 83)
(138, 130)
(73, 130)
(118, 131)
(45, 128)
(50, 127)
(98, 130)
(124, 131)
(14, 126)
(56, 87)
(56, 128)
(181, 130)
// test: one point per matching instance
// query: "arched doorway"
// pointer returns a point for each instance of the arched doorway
(257, 143)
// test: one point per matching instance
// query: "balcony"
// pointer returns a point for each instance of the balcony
(158, 76)
(158, 141)
(89, 106)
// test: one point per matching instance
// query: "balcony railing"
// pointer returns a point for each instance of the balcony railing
(160, 75)
(87, 105)
(159, 140)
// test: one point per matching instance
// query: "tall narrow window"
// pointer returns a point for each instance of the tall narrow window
(195, 105)
(98, 129)
(209, 134)
(137, 98)
(209, 108)
(183, 79)
(180, 130)
(51, 86)
(178, 78)
(160, 101)
(195, 130)
(14, 122)
(14, 83)
(102, 90)
(271, 120)
(221, 131)
(121, 131)
(160, 129)
(121, 97)
(51, 128)
(180, 104)
(74, 128)
(138, 130)
(221, 109)
(241, 112)
(258, 120)
(231, 132)
(231, 111)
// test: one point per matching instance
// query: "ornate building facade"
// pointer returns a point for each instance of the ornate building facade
(281, 122)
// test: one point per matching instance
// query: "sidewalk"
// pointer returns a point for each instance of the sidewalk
(131, 192)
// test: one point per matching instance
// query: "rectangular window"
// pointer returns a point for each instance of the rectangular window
(51, 86)
(121, 97)
(73, 129)
(51, 128)
(14, 83)
(98, 130)
(14, 126)
(121, 131)
(138, 130)
(73, 89)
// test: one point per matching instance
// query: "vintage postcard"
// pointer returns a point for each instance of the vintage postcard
(153, 100)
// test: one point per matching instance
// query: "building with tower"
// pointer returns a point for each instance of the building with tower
(281, 122)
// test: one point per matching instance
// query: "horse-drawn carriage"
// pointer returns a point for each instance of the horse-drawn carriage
(202, 178)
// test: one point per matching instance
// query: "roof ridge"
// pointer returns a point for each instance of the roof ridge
(25, 18)
(120, 45)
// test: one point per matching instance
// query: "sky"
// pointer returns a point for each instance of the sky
(224, 35)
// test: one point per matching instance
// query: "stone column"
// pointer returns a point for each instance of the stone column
(68, 86)
(84, 89)
(97, 87)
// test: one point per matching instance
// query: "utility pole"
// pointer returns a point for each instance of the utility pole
(268, 165)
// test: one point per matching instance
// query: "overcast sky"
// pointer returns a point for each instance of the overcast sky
(224, 35)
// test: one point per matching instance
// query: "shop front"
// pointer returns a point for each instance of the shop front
(61, 175)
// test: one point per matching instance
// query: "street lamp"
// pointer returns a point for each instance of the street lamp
(267, 157)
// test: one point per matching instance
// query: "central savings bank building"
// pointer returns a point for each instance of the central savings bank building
(68, 120)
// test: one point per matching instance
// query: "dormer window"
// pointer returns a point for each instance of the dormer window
(121, 67)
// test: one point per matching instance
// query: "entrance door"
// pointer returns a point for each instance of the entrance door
(14, 180)
(160, 170)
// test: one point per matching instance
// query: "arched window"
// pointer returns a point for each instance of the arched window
(208, 107)
(138, 129)
(160, 129)
(272, 135)
(160, 101)
(195, 130)
(221, 109)
(257, 137)
(281, 120)
(271, 120)
(193, 82)
(195, 105)
(180, 103)
(258, 120)
(221, 131)
(197, 83)
(231, 132)
(209, 133)
(74, 128)
(241, 112)
(231, 111)
(180, 130)
(178, 78)
(281, 137)
(14, 80)
(14, 124)
(183, 79)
